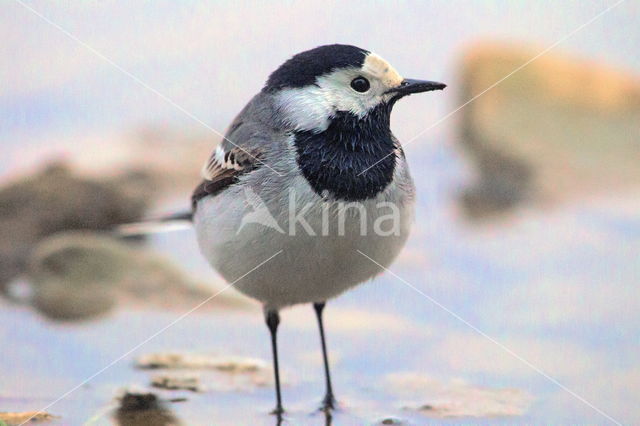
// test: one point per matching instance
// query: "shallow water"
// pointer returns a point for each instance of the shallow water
(503, 306)
(543, 302)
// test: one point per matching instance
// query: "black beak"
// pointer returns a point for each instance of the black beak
(410, 86)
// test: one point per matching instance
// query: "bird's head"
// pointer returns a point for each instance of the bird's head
(313, 86)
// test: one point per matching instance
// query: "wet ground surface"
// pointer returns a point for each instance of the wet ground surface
(367, 393)
(528, 318)
(503, 306)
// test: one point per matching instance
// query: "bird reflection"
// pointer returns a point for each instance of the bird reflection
(328, 418)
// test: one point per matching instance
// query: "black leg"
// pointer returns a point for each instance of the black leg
(328, 418)
(329, 401)
(273, 319)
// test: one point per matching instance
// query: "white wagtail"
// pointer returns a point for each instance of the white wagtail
(318, 134)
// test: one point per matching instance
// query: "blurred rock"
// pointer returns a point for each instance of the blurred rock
(80, 275)
(392, 421)
(143, 409)
(160, 147)
(177, 382)
(558, 128)
(56, 200)
(217, 373)
(457, 399)
(231, 364)
(171, 157)
(12, 419)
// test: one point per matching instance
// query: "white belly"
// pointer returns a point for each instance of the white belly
(313, 263)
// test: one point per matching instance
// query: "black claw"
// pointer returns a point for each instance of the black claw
(329, 401)
(279, 416)
(328, 417)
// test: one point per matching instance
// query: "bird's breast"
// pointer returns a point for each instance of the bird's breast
(353, 159)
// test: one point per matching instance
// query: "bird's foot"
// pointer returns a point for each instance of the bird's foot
(329, 404)
(278, 411)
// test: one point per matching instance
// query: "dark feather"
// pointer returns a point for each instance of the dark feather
(334, 160)
(223, 175)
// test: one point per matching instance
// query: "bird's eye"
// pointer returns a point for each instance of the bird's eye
(360, 84)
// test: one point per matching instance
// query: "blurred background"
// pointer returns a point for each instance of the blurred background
(528, 216)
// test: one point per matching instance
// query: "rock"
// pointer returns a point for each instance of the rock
(56, 200)
(160, 147)
(132, 401)
(80, 275)
(12, 419)
(230, 364)
(171, 157)
(217, 373)
(141, 409)
(392, 421)
(58, 302)
(558, 128)
(177, 382)
(456, 399)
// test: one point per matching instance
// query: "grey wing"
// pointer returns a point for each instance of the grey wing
(241, 151)
(225, 166)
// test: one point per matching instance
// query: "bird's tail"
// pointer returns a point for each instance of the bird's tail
(173, 222)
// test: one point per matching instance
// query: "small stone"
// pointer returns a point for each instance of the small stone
(392, 421)
(173, 382)
(230, 364)
(457, 399)
(217, 373)
(143, 408)
(23, 417)
(138, 401)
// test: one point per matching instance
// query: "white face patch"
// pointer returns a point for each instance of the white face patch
(304, 108)
(311, 107)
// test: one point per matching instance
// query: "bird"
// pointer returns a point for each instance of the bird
(301, 167)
